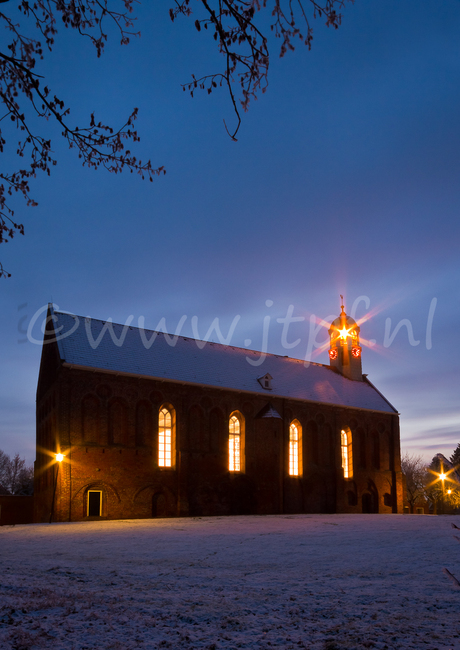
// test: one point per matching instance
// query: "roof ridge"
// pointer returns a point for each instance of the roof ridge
(191, 338)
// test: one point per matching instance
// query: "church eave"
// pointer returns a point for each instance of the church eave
(273, 394)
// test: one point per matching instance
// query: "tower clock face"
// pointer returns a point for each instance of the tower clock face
(356, 352)
(333, 354)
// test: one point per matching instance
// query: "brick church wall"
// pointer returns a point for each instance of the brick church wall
(107, 426)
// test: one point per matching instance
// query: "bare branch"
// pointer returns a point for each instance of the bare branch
(452, 577)
(232, 25)
(245, 48)
(97, 144)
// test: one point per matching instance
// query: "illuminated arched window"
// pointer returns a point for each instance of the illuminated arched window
(165, 438)
(347, 455)
(295, 449)
(235, 443)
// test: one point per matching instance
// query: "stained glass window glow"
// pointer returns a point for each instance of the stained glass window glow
(294, 449)
(347, 459)
(234, 445)
(164, 439)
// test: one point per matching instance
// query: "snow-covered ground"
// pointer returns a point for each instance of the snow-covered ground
(322, 582)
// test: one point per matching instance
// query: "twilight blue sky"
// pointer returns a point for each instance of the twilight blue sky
(345, 179)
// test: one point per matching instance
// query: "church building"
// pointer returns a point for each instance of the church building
(133, 423)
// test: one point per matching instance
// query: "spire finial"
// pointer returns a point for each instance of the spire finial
(342, 306)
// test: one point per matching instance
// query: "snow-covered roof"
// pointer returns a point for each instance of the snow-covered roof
(106, 346)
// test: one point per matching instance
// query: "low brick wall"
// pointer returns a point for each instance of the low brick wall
(16, 510)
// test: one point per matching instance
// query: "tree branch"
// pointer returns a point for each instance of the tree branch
(244, 46)
(97, 144)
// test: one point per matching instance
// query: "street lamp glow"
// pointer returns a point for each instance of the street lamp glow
(443, 476)
(59, 458)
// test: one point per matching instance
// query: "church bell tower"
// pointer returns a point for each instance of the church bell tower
(344, 350)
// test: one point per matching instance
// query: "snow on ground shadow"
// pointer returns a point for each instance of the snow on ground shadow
(322, 582)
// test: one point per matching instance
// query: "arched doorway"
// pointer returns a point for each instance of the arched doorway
(158, 505)
(369, 503)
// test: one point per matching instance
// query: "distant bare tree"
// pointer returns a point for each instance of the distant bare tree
(25, 481)
(15, 475)
(415, 471)
(455, 458)
(4, 463)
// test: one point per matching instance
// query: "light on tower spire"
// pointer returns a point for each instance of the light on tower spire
(345, 351)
